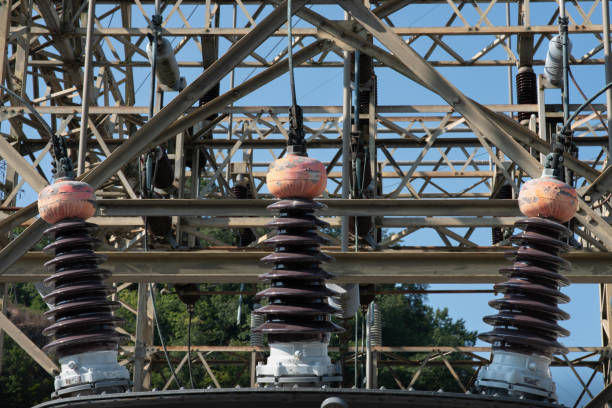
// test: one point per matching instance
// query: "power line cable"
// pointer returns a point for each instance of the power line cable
(161, 337)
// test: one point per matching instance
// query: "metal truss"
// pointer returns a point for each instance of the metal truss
(437, 168)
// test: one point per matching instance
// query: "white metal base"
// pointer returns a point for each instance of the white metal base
(298, 363)
(87, 372)
(518, 375)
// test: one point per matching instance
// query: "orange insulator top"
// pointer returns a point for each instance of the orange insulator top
(548, 197)
(296, 176)
(66, 199)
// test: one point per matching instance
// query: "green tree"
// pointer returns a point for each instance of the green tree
(23, 383)
(408, 321)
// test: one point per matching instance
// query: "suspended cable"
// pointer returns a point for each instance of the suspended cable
(571, 74)
(585, 104)
(161, 337)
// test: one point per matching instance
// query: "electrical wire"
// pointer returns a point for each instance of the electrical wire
(290, 53)
(571, 74)
(161, 337)
(586, 103)
(190, 307)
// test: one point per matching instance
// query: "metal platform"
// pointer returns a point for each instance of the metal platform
(295, 398)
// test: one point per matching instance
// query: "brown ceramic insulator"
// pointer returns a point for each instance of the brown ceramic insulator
(297, 309)
(528, 311)
(497, 233)
(526, 90)
(81, 314)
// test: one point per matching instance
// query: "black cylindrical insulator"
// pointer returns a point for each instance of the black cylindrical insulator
(244, 236)
(187, 293)
(497, 233)
(298, 308)
(528, 312)
(240, 192)
(526, 90)
(209, 96)
(82, 315)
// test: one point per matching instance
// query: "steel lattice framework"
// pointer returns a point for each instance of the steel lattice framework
(436, 167)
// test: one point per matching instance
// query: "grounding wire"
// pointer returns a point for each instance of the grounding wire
(161, 337)
(189, 346)
(290, 53)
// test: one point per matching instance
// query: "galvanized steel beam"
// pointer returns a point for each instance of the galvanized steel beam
(406, 266)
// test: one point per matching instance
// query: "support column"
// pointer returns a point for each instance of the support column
(140, 348)
(363, 146)
(149, 338)
(3, 309)
(5, 23)
(369, 360)
(606, 328)
(253, 367)
(86, 88)
(604, 289)
(346, 142)
(608, 67)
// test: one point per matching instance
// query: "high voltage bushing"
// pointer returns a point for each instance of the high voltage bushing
(298, 322)
(526, 91)
(525, 332)
(83, 325)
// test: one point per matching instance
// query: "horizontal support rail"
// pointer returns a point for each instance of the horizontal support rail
(392, 266)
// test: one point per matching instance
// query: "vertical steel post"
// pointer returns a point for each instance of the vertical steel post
(86, 88)
(542, 115)
(564, 40)
(510, 97)
(346, 142)
(140, 347)
(608, 67)
(369, 359)
(230, 126)
(3, 308)
(154, 63)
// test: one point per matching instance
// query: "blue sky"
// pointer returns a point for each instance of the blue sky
(487, 85)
